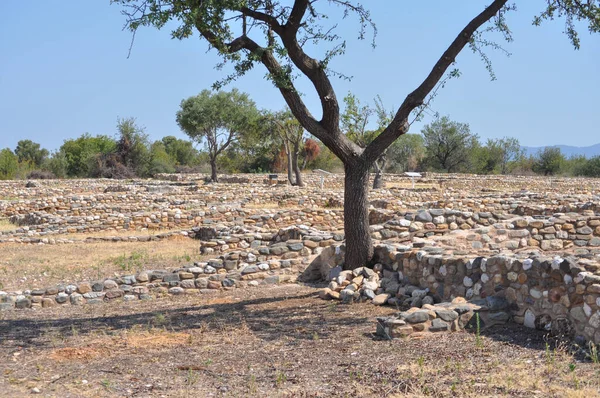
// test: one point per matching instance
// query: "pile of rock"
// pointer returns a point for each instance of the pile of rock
(441, 317)
(376, 285)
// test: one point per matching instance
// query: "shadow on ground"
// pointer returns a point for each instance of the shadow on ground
(269, 318)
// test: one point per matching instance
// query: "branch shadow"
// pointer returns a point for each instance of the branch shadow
(283, 317)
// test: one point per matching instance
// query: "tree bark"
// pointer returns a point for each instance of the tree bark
(290, 166)
(378, 180)
(359, 248)
(213, 170)
(295, 166)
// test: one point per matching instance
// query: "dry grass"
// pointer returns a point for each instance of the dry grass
(6, 225)
(279, 342)
(31, 266)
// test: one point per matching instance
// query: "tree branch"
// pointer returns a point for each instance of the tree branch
(399, 124)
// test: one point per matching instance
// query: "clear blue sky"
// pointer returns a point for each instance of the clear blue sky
(64, 71)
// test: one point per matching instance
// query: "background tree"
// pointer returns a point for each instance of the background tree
(277, 39)
(9, 164)
(310, 151)
(548, 161)
(159, 160)
(132, 147)
(590, 168)
(182, 152)
(448, 144)
(30, 152)
(79, 153)
(291, 134)
(218, 120)
(406, 153)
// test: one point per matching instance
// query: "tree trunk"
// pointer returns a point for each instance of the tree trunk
(213, 170)
(359, 248)
(294, 155)
(289, 167)
(378, 180)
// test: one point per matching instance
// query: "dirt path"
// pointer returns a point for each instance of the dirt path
(281, 341)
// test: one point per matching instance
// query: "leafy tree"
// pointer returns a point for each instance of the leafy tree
(278, 34)
(548, 161)
(9, 164)
(218, 120)
(591, 168)
(160, 160)
(79, 153)
(132, 146)
(291, 134)
(182, 152)
(30, 152)
(448, 144)
(56, 164)
(406, 153)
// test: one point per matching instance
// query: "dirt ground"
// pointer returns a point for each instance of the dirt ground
(276, 342)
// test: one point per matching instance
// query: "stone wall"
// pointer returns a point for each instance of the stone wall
(558, 294)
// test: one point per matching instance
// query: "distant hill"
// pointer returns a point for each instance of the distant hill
(567, 150)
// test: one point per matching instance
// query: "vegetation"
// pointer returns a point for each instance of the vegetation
(275, 34)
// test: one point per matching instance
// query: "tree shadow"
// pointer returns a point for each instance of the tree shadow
(281, 318)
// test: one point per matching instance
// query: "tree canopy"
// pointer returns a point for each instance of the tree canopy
(275, 34)
(217, 120)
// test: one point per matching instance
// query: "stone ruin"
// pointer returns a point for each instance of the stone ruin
(498, 249)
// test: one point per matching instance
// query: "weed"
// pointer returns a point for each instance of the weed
(478, 341)
(593, 353)
(281, 379)
(252, 387)
(106, 384)
(315, 336)
(160, 320)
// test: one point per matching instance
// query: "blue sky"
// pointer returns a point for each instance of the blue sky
(64, 71)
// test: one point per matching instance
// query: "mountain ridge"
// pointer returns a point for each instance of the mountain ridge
(567, 150)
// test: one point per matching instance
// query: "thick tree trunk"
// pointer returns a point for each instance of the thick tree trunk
(213, 170)
(295, 166)
(359, 248)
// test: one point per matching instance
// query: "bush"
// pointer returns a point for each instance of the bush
(41, 175)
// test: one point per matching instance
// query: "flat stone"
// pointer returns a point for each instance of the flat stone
(418, 317)
(438, 325)
(381, 299)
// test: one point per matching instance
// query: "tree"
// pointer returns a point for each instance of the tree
(591, 168)
(30, 152)
(310, 151)
(182, 152)
(406, 153)
(291, 134)
(448, 144)
(79, 153)
(8, 164)
(160, 160)
(278, 34)
(548, 161)
(132, 146)
(218, 120)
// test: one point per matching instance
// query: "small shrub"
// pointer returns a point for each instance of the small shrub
(41, 175)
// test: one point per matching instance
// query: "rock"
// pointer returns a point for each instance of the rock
(381, 299)
(83, 288)
(176, 290)
(418, 317)
(438, 325)
(446, 315)
(423, 216)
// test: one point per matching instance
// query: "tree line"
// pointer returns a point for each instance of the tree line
(228, 134)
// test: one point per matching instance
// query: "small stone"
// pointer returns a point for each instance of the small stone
(381, 299)
(418, 317)
(438, 325)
